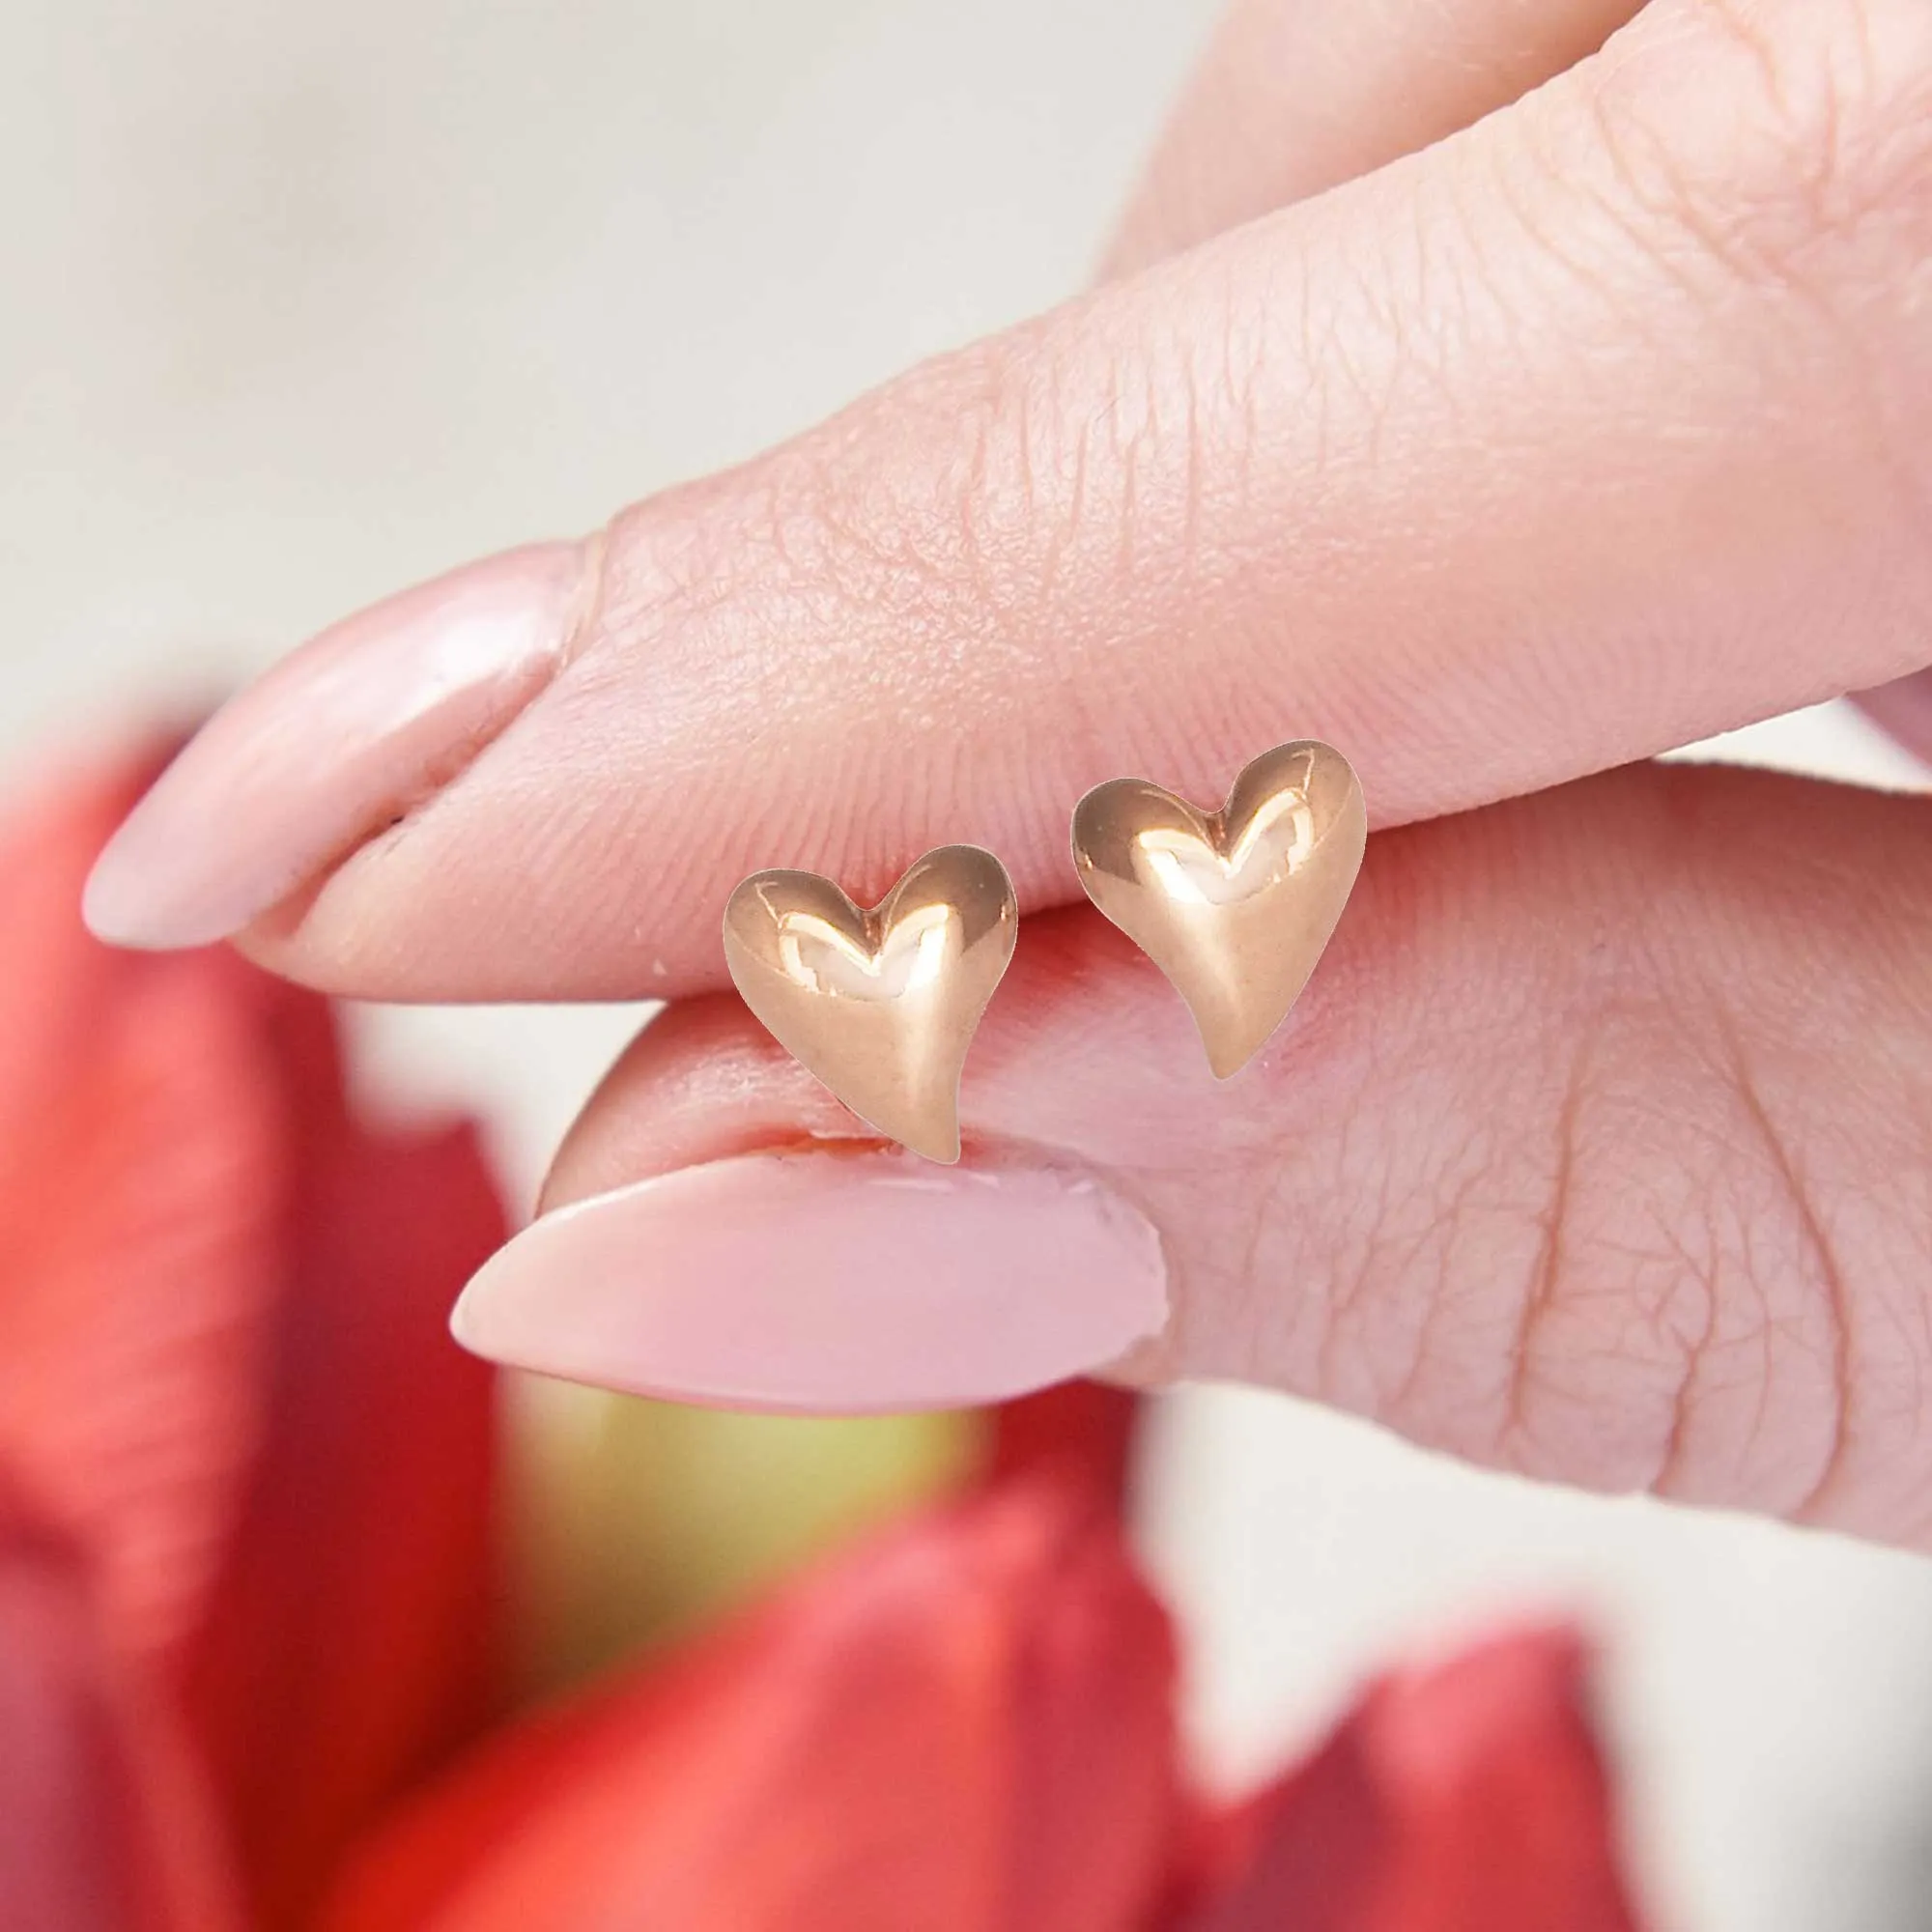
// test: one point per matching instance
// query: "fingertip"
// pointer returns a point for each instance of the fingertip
(826, 1281)
(337, 741)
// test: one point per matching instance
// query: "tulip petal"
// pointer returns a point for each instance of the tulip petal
(103, 1825)
(1470, 1797)
(224, 1369)
(965, 1726)
(141, 1161)
(1083, 1430)
(353, 1640)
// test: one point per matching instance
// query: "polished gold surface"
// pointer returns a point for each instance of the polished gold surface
(1235, 906)
(881, 1005)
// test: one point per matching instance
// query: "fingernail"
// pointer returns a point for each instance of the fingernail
(830, 1283)
(339, 738)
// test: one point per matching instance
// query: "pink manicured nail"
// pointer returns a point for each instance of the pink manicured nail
(337, 739)
(829, 1282)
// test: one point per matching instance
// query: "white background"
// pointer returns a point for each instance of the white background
(302, 302)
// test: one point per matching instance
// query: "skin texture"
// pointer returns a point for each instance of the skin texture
(1289, 101)
(1557, 446)
(1596, 1148)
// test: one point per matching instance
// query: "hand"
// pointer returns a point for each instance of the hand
(1600, 1145)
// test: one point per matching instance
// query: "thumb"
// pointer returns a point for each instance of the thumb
(1595, 1150)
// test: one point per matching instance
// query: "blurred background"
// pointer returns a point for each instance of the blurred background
(303, 304)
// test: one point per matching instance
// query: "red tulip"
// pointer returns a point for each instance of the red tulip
(968, 1728)
(224, 1376)
(248, 1595)
(1465, 1797)
(965, 1725)
(106, 1825)
(1082, 1431)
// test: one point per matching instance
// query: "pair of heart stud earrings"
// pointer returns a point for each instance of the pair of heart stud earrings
(1235, 906)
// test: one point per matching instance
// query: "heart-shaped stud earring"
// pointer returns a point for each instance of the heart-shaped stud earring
(1235, 906)
(880, 1004)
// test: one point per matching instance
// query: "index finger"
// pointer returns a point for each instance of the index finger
(1596, 429)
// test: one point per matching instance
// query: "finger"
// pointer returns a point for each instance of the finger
(1294, 96)
(1600, 427)
(1597, 1150)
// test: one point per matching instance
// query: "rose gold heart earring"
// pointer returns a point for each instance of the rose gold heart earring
(880, 1004)
(1235, 906)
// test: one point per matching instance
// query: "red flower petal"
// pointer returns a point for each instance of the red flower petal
(1081, 1430)
(1468, 1798)
(351, 1639)
(224, 1367)
(963, 1727)
(102, 1825)
(141, 1162)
